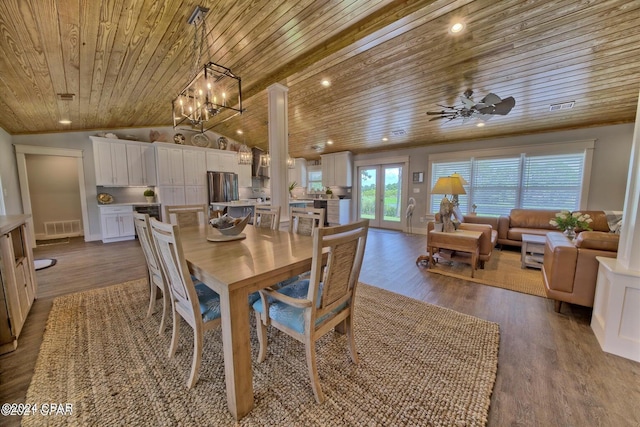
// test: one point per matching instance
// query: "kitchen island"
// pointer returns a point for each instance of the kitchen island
(242, 208)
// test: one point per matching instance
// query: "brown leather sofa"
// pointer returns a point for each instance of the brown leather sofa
(570, 269)
(488, 239)
(536, 221)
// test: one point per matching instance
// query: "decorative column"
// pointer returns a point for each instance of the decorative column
(616, 307)
(279, 147)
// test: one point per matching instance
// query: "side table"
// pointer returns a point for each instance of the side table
(532, 251)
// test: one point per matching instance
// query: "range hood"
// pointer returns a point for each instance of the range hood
(258, 171)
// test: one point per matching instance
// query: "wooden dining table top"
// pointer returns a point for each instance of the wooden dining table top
(265, 256)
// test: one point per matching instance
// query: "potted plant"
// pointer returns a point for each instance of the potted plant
(568, 222)
(329, 193)
(149, 194)
(291, 187)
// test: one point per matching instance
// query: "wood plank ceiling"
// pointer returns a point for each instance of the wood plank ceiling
(389, 62)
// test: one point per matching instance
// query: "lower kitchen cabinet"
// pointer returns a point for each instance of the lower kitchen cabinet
(117, 223)
(338, 211)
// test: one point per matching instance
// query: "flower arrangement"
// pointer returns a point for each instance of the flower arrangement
(566, 220)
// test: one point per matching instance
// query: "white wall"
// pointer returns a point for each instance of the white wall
(9, 175)
(608, 174)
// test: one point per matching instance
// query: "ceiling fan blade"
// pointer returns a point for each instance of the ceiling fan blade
(467, 102)
(441, 117)
(503, 107)
(491, 99)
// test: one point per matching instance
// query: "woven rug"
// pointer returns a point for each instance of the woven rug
(504, 270)
(419, 365)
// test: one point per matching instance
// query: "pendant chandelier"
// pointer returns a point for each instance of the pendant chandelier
(211, 92)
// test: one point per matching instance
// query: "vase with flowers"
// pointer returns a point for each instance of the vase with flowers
(568, 222)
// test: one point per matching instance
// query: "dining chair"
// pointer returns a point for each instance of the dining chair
(195, 302)
(266, 217)
(187, 215)
(305, 220)
(154, 270)
(308, 309)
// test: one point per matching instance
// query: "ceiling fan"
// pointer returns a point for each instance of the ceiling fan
(489, 106)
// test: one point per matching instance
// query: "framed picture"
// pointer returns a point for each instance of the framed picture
(418, 177)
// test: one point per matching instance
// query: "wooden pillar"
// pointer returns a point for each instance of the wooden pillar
(279, 147)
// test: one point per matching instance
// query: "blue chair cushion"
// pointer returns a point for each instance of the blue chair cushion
(289, 316)
(209, 302)
(254, 297)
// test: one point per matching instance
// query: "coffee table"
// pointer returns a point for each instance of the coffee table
(532, 252)
(459, 240)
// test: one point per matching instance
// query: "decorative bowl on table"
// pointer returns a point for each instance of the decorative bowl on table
(227, 228)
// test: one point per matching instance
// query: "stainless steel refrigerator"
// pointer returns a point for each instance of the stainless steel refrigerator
(223, 186)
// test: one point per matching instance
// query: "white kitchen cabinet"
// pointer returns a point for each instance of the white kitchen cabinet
(195, 167)
(337, 169)
(196, 195)
(244, 176)
(172, 195)
(170, 166)
(117, 223)
(338, 211)
(299, 173)
(141, 164)
(110, 161)
(222, 161)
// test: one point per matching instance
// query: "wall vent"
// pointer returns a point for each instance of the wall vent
(69, 228)
(66, 96)
(562, 106)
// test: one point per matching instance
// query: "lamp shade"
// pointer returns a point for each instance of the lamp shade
(462, 180)
(448, 185)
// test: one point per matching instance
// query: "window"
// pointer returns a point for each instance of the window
(500, 183)
(314, 180)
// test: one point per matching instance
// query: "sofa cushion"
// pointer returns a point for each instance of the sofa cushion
(599, 222)
(532, 218)
(597, 240)
(516, 233)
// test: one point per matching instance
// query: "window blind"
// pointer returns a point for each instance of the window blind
(552, 181)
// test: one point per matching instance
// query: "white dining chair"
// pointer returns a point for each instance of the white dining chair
(193, 301)
(154, 269)
(266, 217)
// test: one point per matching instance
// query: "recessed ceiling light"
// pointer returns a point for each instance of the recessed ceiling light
(239, 131)
(65, 122)
(481, 124)
(456, 28)
(326, 83)
(329, 142)
(385, 139)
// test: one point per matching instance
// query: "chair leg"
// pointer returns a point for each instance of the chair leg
(175, 336)
(261, 328)
(197, 358)
(165, 310)
(352, 342)
(310, 349)
(152, 296)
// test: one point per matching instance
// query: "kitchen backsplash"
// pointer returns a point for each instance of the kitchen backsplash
(125, 194)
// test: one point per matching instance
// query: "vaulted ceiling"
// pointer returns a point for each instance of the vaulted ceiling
(388, 62)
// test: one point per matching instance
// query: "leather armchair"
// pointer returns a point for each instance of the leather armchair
(570, 269)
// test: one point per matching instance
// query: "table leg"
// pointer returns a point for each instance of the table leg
(237, 352)
(474, 261)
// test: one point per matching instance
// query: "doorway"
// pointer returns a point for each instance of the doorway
(22, 151)
(381, 197)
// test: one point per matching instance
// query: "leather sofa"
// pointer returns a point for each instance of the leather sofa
(570, 268)
(536, 221)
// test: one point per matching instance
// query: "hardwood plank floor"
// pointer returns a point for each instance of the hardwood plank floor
(551, 369)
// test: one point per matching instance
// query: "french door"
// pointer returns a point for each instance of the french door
(380, 195)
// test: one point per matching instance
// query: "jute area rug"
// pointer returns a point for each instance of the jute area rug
(419, 365)
(503, 271)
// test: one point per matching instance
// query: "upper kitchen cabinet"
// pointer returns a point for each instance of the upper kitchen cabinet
(195, 167)
(141, 164)
(121, 163)
(337, 169)
(111, 162)
(170, 166)
(222, 161)
(299, 173)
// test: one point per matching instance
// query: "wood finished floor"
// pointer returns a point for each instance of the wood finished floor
(551, 370)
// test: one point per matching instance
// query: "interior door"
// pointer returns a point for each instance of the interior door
(380, 195)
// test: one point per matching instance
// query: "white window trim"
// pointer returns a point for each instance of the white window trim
(586, 146)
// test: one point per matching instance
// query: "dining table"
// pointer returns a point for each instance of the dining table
(234, 269)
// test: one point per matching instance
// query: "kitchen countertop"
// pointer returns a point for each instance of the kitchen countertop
(244, 203)
(129, 204)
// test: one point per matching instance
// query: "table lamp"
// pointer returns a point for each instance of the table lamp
(447, 185)
(454, 198)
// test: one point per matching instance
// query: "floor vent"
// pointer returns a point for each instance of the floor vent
(57, 229)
